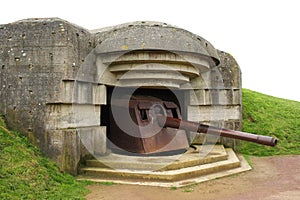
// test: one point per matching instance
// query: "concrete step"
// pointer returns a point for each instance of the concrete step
(178, 177)
(162, 163)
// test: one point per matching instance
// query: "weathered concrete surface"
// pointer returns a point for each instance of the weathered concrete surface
(36, 56)
(188, 169)
(55, 77)
(190, 158)
(159, 36)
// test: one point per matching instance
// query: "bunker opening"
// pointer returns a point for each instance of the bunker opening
(131, 122)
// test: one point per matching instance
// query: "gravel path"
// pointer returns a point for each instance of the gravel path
(273, 178)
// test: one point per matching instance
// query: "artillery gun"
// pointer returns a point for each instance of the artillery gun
(157, 127)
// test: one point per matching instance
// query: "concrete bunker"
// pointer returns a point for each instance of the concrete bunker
(58, 79)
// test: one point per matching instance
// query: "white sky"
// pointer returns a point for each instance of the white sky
(262, 35)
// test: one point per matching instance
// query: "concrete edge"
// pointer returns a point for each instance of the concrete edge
(243, 168)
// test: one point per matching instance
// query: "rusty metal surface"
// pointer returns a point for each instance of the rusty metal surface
(200, 128)
(158, 127)
(142, 137)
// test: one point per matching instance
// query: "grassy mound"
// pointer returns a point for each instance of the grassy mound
(267, 115)
(26, 174)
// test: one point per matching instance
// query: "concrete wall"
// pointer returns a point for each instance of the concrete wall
(217, 98)
(38, 57)
(52, 88)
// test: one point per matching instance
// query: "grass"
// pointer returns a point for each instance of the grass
(107, 183)
(26, 174)
(267, 115)
(188, 190)
(173, 188)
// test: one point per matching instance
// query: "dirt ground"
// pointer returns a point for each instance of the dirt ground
(273, 178)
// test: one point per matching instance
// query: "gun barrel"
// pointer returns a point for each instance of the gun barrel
(201, 128)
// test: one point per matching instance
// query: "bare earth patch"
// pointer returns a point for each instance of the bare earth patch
(273, 178)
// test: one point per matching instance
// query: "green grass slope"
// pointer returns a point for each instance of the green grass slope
(26, 174)
(267, 115)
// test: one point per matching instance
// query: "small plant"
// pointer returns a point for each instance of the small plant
(188, 190)
(173, 188)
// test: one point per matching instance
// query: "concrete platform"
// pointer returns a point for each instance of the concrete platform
(165, 171)
(161, 163)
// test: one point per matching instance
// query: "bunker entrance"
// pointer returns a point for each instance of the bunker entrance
(130, 120)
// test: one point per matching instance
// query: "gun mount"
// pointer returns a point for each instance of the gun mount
(157, 127)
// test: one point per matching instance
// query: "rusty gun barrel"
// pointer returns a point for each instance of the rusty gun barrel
(201, 128)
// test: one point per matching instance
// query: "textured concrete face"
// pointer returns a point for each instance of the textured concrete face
(152, 35)
(38, 58)
(55, 78)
